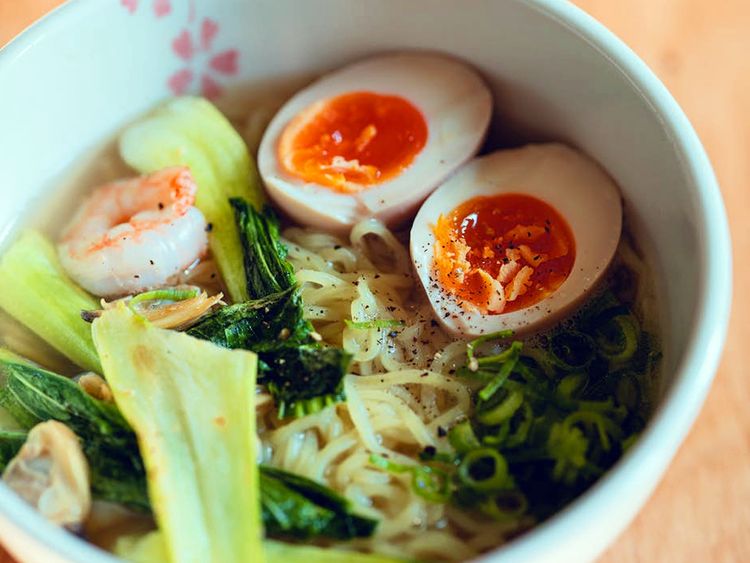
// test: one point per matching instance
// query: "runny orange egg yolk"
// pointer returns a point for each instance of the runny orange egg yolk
(503, 253)
(352, 141)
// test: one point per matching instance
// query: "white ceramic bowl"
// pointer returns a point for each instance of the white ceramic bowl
(72, 80)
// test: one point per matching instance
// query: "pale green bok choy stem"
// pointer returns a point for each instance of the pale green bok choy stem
(35, 290)
(192, 407)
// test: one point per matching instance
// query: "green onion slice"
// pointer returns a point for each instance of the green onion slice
(430, 483)
(502, 410)
(572, 350)
(543, 359)
(509, 360)
(571, 384)
(486, 470)
(505, 506)
(462, 437)
(472, 345)
(617, 338)
(603, 426)
(166, 294)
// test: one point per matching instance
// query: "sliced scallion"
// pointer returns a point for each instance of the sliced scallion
(617, 338)
(509, 359)
(572, 350)
(472, 345)
(501, 411)
(570, 385)
(430, 483)
(166, 294)
(603, 426)
(485, 469)
(462, 437)
(505, 506)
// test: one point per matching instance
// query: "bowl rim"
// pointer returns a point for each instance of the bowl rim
(693, 376)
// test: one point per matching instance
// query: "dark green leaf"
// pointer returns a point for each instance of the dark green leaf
(304, 379)
(10, 443)
(267, 323)
(34, 395)
(266, 267)
(298, 507)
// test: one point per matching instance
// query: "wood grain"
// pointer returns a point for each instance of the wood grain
(701, 510)
(700, 49)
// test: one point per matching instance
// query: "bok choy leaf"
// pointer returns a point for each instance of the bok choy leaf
(191, 404)
(32, 395)
(302, 375)
(117, 471)
(266, 268)
(264, 324)
(297, 507)
(35, 290)
(305, 379)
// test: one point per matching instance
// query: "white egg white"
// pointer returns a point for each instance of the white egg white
(455, 103)
(576, 186)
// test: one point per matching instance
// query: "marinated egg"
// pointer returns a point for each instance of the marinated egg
(515, 239)
(373, 139)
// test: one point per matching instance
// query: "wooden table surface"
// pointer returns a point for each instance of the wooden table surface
(701, 50)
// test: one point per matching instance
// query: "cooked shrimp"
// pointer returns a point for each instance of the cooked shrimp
(133, 235)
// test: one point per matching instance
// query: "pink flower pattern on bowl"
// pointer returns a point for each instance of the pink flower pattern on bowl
(198, 54)
(202, 67)
(161, 7)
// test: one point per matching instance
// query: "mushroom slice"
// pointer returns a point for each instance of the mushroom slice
(51, 473)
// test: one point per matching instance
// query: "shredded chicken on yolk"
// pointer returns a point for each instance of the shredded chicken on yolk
(503, 253)
(352, 141)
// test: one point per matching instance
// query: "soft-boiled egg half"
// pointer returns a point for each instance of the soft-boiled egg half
(373, 139)
(515, 239)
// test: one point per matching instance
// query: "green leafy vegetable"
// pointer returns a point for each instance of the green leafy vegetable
(552, 418)
(118, 474)
(500, 406)
(35, 291)
(10, 444)
(34, 395)
(266, 267)
(567, 447)
(191, 404)
(302, 375)
(474, 344)
(572, 350)
(549, 419)
(305, 379)
(299, 508)
(192, 132)
(506, 362)
(264, 324)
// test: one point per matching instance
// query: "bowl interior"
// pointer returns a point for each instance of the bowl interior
(70, 83)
